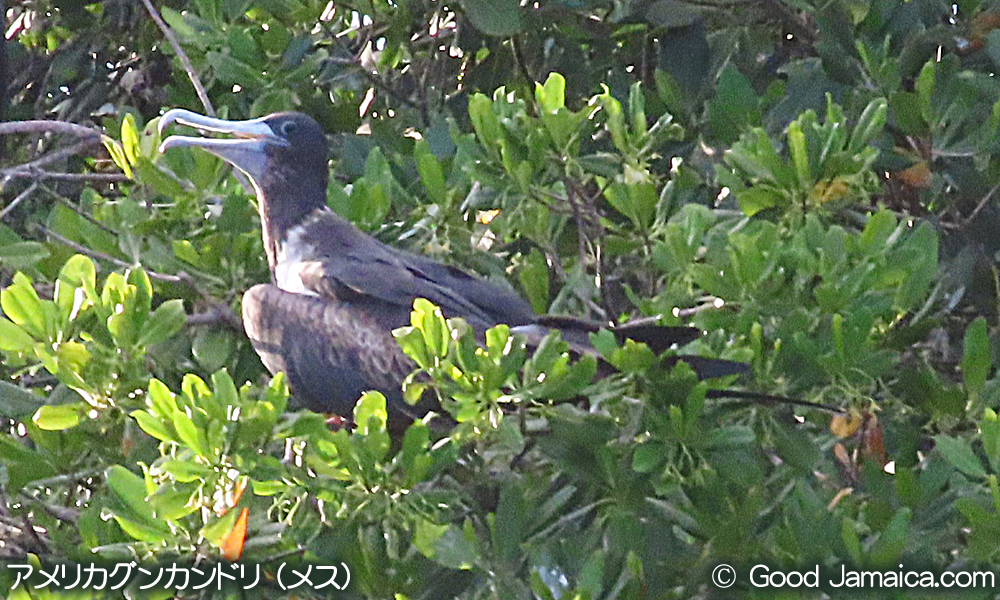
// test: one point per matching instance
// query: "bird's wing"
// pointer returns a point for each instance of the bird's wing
(658, 337)
(331, 351)
(360, 267)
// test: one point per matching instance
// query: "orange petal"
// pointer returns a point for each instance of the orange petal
(232, 544)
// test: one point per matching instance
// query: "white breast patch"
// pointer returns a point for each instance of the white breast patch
(293, 254)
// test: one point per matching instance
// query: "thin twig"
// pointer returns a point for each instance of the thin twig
(60, 512)
(73, 207)
(222, 312)
(185, 62)
(52, 157)
(29, 529)
(741, 397)
(183, 279)
(66, 478)
(18, 199)
(687, 312)
(981, 205)
(44, 126)
(40, 175)
(581, 234)
(219, 313)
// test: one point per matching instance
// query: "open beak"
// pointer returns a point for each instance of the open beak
(247, 151)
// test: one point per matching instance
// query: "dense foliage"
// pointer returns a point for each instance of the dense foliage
(811, 184)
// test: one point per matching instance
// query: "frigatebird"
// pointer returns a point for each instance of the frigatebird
(336, 294)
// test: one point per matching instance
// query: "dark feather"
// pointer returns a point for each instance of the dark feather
(352, 264)
(338, 294)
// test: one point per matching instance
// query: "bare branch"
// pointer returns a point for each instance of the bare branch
(32, 169)
(40, 175)
(219, 313)
(111, 259)
(188, 67)
(43, 126)
(981, 205)
(51, 157)
(20, 198)
(75, 208)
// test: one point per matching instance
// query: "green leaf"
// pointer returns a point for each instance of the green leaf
(130, 138)
(24, 465)
(371, 417)
(231, 71)
(16, 402)
(21, 304)
(976, 363)
(534, 278)
(171, 502)
(185, 250)
(499, 18)
(75, 288)
(14, 338)
(244, 48)
(162, 181)
(485, 122)
(756, 199)
(604, 342)
(551, 96)
(637, 110)
(669, 91)
(130, 489)
(959, 454)
(852, 541)
(800, 156)
(924, 85)
(210, 347)
(989, 427)
(378, 189)
(647, 456)
(168, 319)
(870, 124)
(426, 535)
(22, 255)
(161, 400)
(117, 155)
(430, 171)
(186, 471)
(153, 426)
(735, 106)
(134, 515)
(885, 552)
(429, 320)
(73, 355)
(190, 434)
(180, 26)
(58, 418)
(616, 121)
(414, 455)
(411, 342)
(371, 405)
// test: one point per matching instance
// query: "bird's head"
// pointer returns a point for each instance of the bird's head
(277, 151)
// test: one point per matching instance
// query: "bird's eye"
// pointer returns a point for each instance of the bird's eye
(289, 127)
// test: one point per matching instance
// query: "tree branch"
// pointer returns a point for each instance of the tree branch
(17, 200)
(185, 62)
(111, 259)
(220, 312)
(46, 126)
(40, 175)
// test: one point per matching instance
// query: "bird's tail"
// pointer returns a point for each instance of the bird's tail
(659, 338)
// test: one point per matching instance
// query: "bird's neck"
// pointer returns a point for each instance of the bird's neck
(283, 205)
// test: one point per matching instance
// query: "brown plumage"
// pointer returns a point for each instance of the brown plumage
(336, 294)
